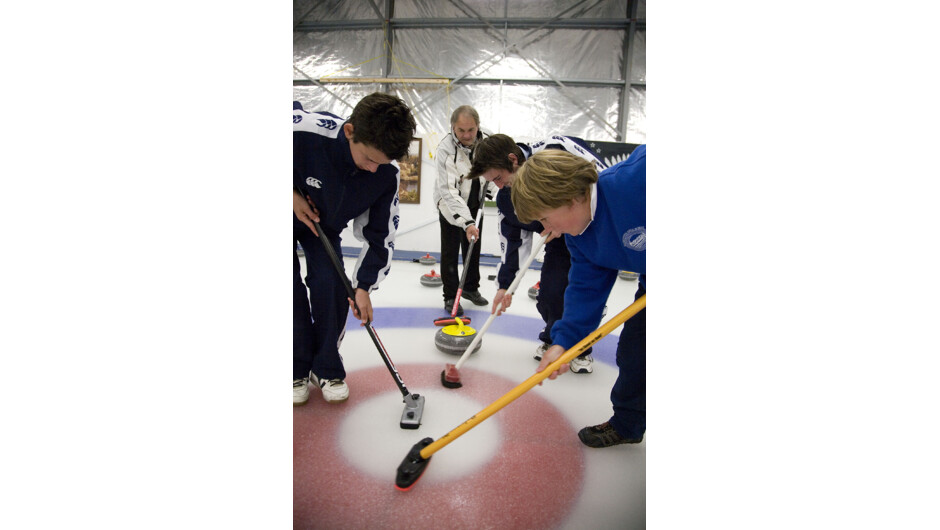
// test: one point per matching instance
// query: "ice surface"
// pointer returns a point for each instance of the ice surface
(524, 467)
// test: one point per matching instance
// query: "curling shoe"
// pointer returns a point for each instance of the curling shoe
(582, 365)
(301, 391)
(475, 297)
(334, 390)
(540, 351)
(449, 307)
(604, 435)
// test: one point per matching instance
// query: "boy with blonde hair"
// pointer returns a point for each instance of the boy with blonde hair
(603, 218)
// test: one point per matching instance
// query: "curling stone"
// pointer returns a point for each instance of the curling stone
(534, 291)
(428, 259)
(627, 275)
(431, 279)
(455, 339)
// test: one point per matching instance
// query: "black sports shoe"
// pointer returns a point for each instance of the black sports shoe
(604, 435)
(475, 297)
(449, 307)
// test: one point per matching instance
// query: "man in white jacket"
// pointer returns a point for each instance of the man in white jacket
(458, 200)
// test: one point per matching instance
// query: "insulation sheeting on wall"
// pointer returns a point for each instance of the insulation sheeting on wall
(515, 8)
(565, 53)
(332, 10)
(512, 76)
(516, 110)
(322, 53)
(636, 125)
(337, 99)
(638, 58)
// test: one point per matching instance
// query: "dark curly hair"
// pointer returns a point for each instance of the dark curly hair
(493, 152)
(384, 122)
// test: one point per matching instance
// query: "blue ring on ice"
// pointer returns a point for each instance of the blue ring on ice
(507, 324)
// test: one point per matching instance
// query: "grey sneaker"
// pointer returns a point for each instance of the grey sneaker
(582, 365)
(301, 392)
(334, 390)
(540, 351)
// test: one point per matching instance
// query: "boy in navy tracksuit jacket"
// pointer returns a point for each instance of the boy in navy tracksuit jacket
(343, 170)
(496, 159)
(604, 219)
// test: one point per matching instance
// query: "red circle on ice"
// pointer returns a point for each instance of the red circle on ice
(532, 481)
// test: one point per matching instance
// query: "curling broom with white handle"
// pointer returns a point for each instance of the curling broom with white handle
(450, 377)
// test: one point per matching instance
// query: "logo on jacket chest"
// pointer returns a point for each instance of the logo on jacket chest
(327, 124)
(314, 183)
(635, 239)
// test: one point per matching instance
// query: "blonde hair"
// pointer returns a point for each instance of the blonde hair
(550, 179)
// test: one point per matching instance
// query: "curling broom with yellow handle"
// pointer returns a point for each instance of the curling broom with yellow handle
(414, 464)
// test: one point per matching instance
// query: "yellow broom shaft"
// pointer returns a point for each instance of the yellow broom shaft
(536, 378)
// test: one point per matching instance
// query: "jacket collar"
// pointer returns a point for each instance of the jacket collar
(341, 150)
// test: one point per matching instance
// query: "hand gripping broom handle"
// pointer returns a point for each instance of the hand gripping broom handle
(466, 261)
(527, 385)
(512, 289)
(352, 296)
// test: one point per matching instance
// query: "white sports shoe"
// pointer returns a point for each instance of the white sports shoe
(334, 390)
(301, 392)
(540, 351)
(582, 365)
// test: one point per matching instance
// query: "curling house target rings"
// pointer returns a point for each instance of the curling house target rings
(538, 446)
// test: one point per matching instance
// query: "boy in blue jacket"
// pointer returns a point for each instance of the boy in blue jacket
(603, 218)
(343, 170)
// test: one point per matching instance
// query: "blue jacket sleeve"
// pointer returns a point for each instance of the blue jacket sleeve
(588, 289)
